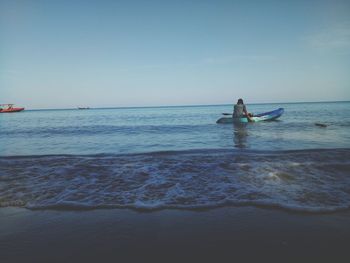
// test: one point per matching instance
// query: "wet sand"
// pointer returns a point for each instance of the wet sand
(229, 234)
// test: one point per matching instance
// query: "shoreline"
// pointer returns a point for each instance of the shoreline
(221, 234)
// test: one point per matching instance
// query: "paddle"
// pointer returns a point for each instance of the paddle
(249, 118)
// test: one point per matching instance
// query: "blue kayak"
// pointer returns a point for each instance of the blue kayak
(266, 116)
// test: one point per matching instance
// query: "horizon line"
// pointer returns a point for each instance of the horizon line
(186, 105)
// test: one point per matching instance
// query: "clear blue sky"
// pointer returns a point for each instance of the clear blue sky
(58, 54)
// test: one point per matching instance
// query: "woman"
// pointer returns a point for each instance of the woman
(240, 111)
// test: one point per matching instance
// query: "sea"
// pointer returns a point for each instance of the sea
(155, 158)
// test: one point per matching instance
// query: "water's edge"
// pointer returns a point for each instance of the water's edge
(314, 181)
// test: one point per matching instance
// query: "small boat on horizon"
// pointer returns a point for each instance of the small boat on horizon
(8, 108)
(83, 108)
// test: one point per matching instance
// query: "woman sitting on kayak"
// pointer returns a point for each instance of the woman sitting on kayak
(240, 111)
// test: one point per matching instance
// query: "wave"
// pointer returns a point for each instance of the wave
(90, 130)
(297, 180)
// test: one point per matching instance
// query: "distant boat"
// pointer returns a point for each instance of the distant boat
(7, 108)
(83, 108)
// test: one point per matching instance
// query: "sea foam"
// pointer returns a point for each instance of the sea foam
(302, 180)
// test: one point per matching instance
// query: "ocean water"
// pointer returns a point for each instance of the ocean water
(176, 157)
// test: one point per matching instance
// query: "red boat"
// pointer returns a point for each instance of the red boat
(9, 108)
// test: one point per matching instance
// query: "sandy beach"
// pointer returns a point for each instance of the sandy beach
(217, 235)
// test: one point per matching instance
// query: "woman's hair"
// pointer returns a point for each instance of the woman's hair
(240, 101)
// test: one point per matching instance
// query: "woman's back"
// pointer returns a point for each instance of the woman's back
(238, 110)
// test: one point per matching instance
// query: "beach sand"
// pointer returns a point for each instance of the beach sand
(228, 234)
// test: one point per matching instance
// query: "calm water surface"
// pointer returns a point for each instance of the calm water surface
(137, 130)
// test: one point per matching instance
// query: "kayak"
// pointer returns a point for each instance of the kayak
(11, 110)
(266, 116)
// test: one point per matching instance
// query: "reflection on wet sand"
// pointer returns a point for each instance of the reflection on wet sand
(240, 133)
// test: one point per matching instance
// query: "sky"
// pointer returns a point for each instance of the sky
(64, 54)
